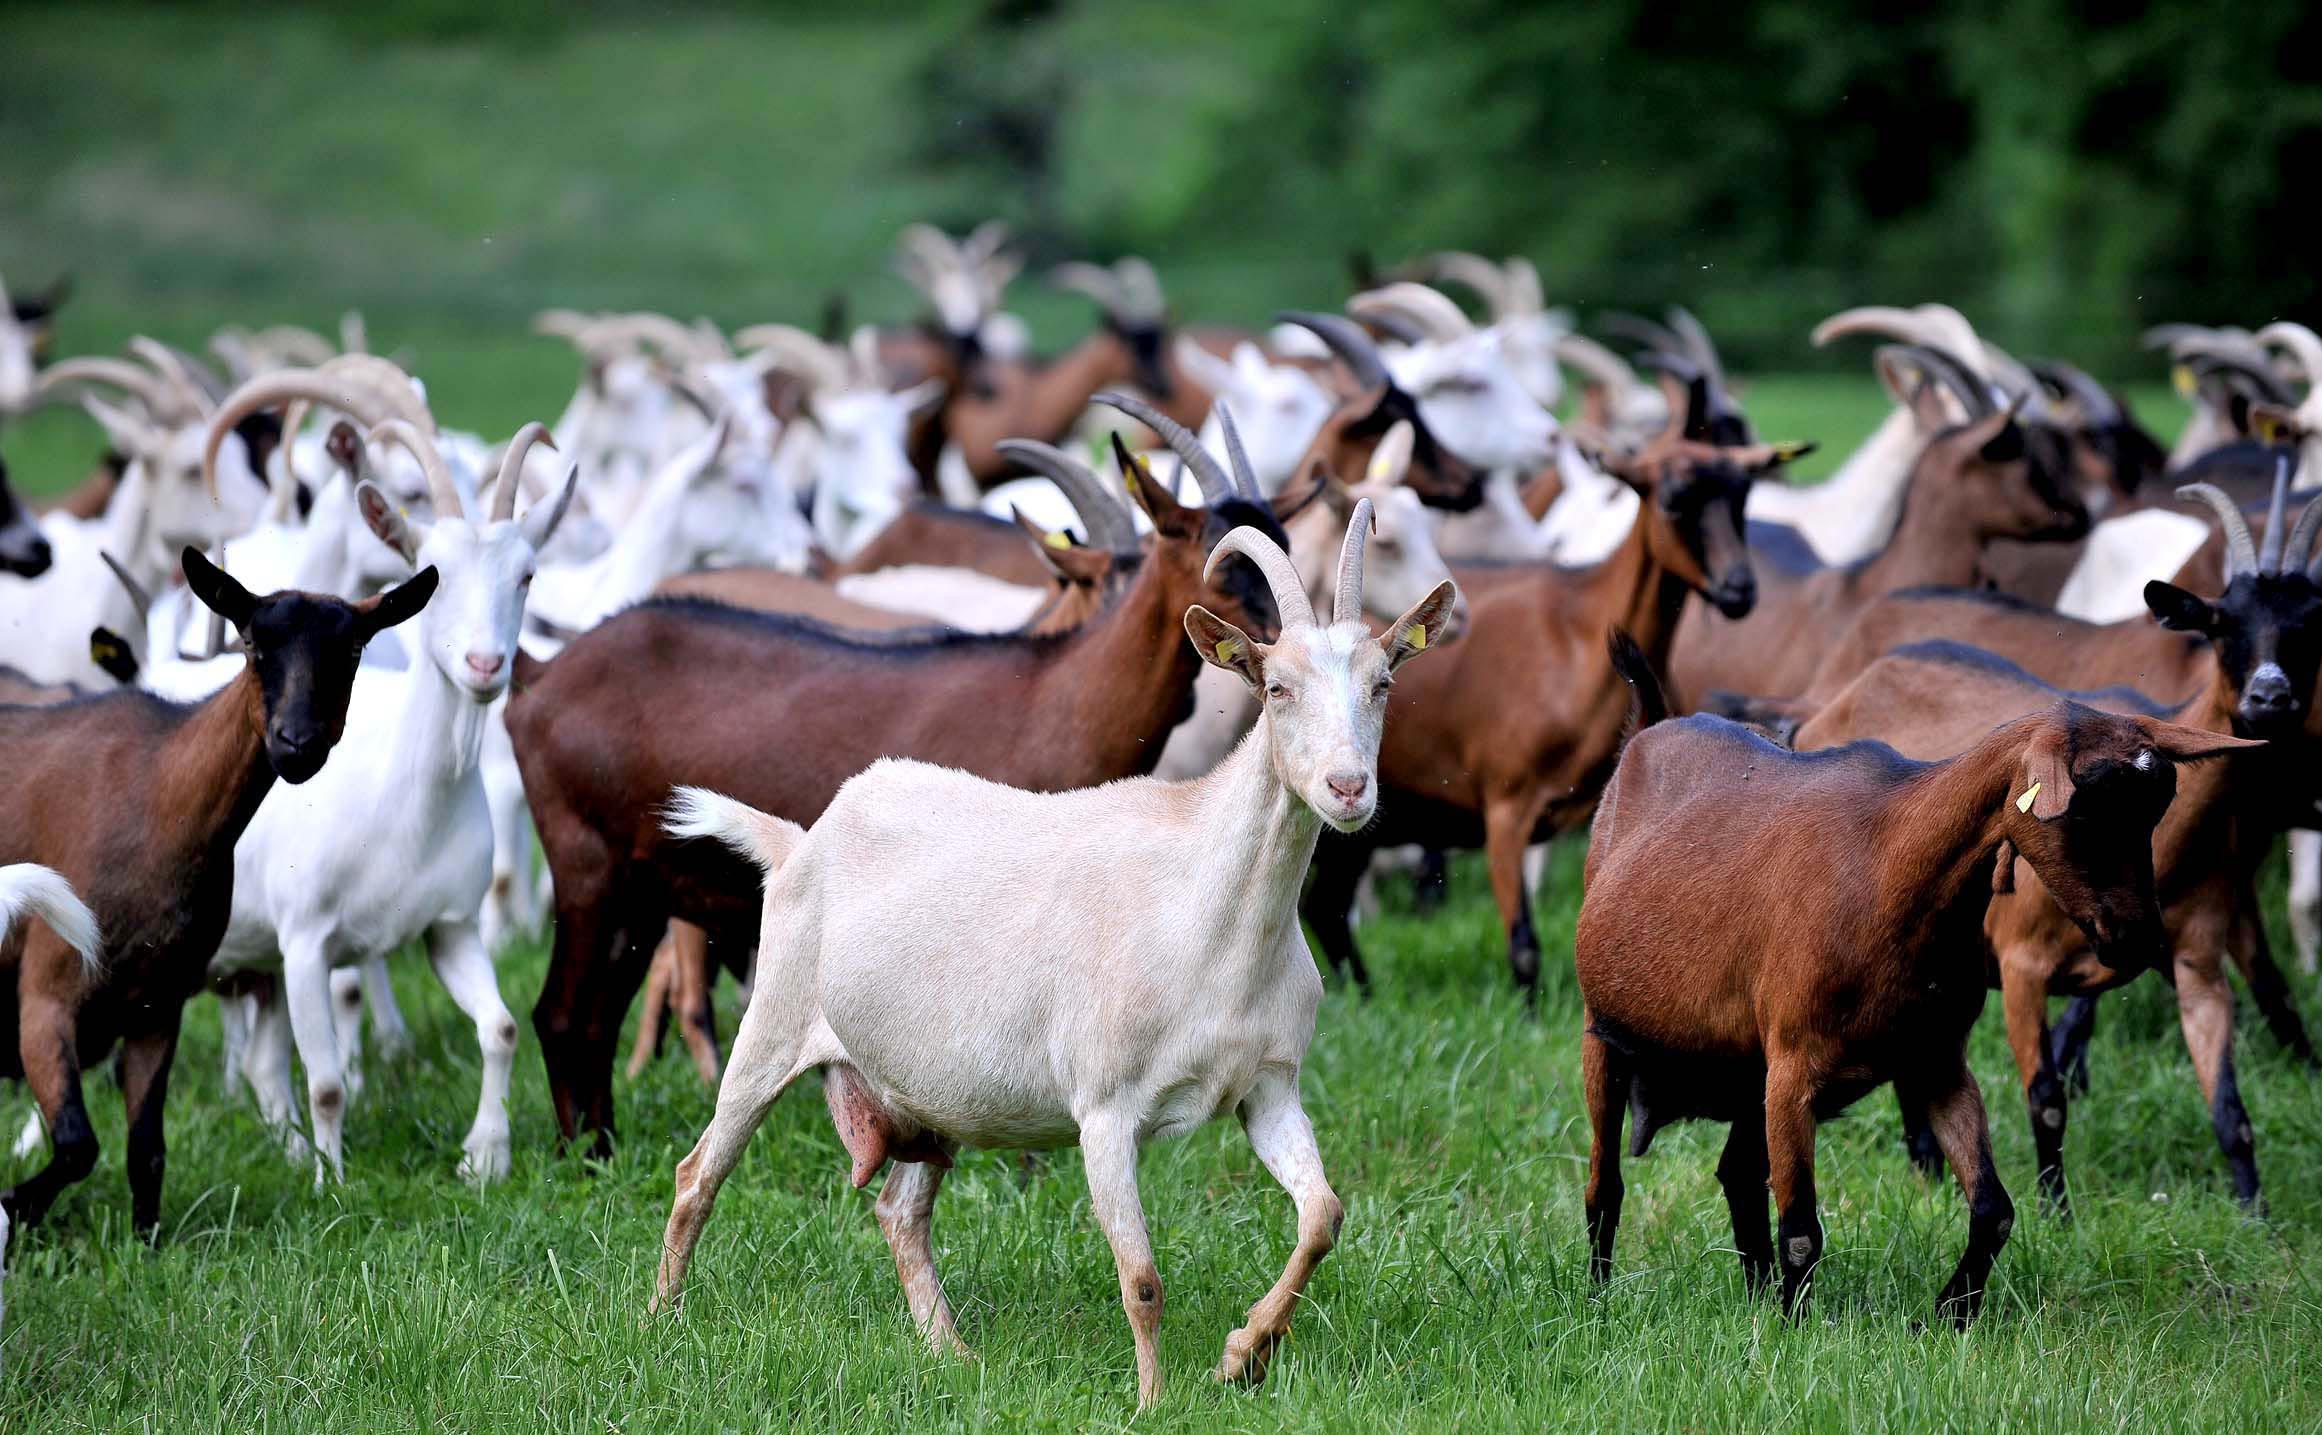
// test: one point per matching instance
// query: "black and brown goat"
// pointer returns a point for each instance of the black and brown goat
(1973, 483)
(139, 802)
(781, 712)
(1768, 935)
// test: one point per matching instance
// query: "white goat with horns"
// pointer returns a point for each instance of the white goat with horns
(395, 843)
(973, 981)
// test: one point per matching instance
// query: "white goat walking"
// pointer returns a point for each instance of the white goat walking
(396, 845)
(968, 980)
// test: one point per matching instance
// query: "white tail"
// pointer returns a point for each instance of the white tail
(764, 839)
(25, 887)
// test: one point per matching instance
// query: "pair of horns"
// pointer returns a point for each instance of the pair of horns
(1282, 575)
(1217, 485)
(2242, 553)
(1109, 525)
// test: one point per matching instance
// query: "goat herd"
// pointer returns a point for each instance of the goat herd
(831, 660)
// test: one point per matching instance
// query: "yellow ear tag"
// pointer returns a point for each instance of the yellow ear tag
(1226, 650)
(2024, 803)
(2181, 379)
(1057, 540)
(1377, 472)
(1792, 450)
(2269, 427)
(1415, 637)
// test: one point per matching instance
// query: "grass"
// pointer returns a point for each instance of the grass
(1457, 1300)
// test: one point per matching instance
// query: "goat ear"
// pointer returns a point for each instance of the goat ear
(345, 446)
(2179, 610)
(111, 653)
(1070, 561)
(399, 603)
(128, 433)
(539, 522)
(2003, 869)
(2046, 789)
(2271, 423)
(1148, 493)
(1421, 628)
(1926, 400)
(1223, 645)
(217, 591)
(1319, 483)
(2179, 743)
(382, 517)
(1391, 460)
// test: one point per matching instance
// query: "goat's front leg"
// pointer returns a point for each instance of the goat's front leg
(2205, 1010)
(266, 1063)
(347, 1022)
(145, 1062)
(464, 966)
(387, 1021)
(1790, 1129)
(1279, 1132)
(1508, 826)
(1109, 1150)
(1954, 1107)
(906, 1212)
(2025, 973)
(306, 990)
(236, 1012)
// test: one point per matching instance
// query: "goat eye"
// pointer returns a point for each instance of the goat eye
(1276, 690)
(1379, 690)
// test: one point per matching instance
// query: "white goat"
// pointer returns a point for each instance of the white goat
(396, 845)
(1467, 389)
(1511, 292)
(851, 451)
(892, 954)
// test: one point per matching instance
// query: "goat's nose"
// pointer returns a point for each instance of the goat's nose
(486, 665)
(1349, 786)
(2267, 693)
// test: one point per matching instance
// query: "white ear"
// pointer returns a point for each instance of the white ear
(1207, 369)
(922, 396)
(129, 433)
(393, 527)
(1252, 361)
(539, 522)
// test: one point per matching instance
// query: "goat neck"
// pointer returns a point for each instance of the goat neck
(213, 767)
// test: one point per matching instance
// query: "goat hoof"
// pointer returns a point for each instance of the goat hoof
(486, 1162)
(1247, 1353)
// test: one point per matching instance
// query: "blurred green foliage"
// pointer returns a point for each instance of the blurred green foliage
(2065, 170)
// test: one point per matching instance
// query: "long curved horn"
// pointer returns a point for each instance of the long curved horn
(1430, 309)
(1945, 368)
(1245, 477)
(2301, 547)
(139, 599)
(1094, 281)
(191, 400)
(2305, 346)
(820, 364)
(1650, 334)
(2270, 551)
(138, 382)
(1281, 573)
(1348, 608)
(2240, 552)
(1599, 364)
(2098, 409)
(440, 489)
(285, 387)
(1345, 339)
(295, 344)
(1216, 486)
(1936, 326)
(1109, 527)
(386, 379)
(512, 469)
(1476, 272)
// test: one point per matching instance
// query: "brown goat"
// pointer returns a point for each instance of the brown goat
(1973, 482)
(1508, 737)
(599, 755)
(1930, 700)
(139, 802)
(1768, 935)
(1348, 437)
(945, 537)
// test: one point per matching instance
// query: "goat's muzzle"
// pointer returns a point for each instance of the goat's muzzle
(2269, 705)
(297, 755)
(28, 558)
(1735, 593)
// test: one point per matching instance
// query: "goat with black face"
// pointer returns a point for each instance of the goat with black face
(155, 860)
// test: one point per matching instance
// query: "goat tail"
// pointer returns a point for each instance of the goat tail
(27, 888)
(1648, 700)
(758, 836)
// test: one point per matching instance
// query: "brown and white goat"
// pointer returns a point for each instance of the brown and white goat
(156, 863)
(1769, 935)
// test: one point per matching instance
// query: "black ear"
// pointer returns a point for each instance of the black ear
(218, 592)
(2006, 446)
(399, 603)
(2179, 610)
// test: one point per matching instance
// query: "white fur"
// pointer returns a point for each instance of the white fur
(30, 890)
(959, 598)
(2122, 555)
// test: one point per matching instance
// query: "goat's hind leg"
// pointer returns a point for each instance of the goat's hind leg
(1954, 1107)
(906, 1212)
(1604, 1084)
(1108, 1147)
(1279, 1132)
(781, 1036)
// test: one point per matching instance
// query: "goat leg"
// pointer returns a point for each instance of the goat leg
(1508, 826)
(2024, 979)
(2254, 954)
(464, 966)
(2306, 897)
(1108, 1144)
(1604, 1084)
(1954, 1107)
(2068, 1043)
(1337, 869)
(2205, 1011)
(1279, 1132)
(653, 1010)
(52, 1068)
(691, 998)
(145, 1062)
(1741, 1171)
(906, 1212)
(1790, 1128)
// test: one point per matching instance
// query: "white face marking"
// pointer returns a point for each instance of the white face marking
(2144, 760)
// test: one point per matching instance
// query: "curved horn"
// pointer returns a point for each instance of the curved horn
(192, 402)
(295, 344)
(1599, 364)
(820, 364)
(1216, 486)
(2301, 546)
(2305, 346)
(1093, 280)
(139, 599)
(138, 382)
(1698, 344)
(2096, 405)
(512, 469)
(285, 387)
(2270, 551)
(562, 323)
(1349, 605)
(1649, 334)
(1430, 309)
(1345, 339)
(385, 379)
(1109, 527)
(1281, 575)
(1936, 326)
(440, 488)
(1478, 273)
(2240, 552)
(1945, 368)
(1245, 477)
